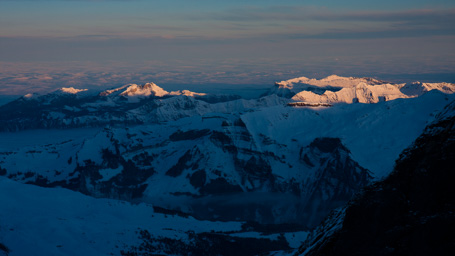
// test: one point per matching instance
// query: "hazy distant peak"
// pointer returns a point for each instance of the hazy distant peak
(31, 95)
(330, 81)
(336, 77)
(109, 92)
(187, 93)
(71, 90)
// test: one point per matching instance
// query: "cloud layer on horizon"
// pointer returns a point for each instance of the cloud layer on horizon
(232, 42)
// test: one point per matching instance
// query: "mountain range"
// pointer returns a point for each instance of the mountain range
(260, 171)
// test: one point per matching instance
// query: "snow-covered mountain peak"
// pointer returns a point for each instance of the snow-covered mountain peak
(31, 95)
(71, 90)
(443, 87)
(360, 93)
(418, 88)
(187, 93)
(148, 89)
(336, 77)
(338, 89)
(330, 81)
(291, 87)
(290, 82)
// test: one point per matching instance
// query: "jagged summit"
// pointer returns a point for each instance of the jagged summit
(360, 93)
(338, 89)
(60, 91)
(418, 88)
(131, 103)
(149, 103)
(148, 89)
(134, 91)
(330, 81)
(291, 87)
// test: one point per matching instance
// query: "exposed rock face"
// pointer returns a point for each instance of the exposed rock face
(337, 178)
(216, 174)
(115, 177)
(63, 111)
(411, 212)
(4, 250)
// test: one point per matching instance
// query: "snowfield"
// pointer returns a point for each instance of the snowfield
(44, 221)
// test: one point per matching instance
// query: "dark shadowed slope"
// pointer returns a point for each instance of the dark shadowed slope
(411, 212)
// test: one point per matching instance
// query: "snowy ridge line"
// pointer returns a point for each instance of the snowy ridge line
(337, 89)
(306, 104)
(332, 89)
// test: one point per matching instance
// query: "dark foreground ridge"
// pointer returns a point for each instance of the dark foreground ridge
(411, 212)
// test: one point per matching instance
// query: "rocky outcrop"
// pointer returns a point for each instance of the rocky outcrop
(215, 174)
(336, 178)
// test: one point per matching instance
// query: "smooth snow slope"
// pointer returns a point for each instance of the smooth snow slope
(374, 133)
(55, 221)
(60, 222)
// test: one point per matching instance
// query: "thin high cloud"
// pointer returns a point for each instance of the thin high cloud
(440, 20)
(260, 23)
(321, 23)
(296, 13)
